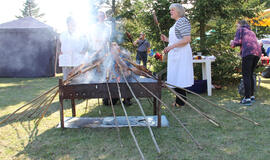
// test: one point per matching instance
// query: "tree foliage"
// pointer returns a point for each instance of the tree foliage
(30, 8)
(220, 15)
(213, 26)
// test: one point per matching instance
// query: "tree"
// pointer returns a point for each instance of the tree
(220, 11)
(31, 9)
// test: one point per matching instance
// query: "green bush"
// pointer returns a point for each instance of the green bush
(227, 66)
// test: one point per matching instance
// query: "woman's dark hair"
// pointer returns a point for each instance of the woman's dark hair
(243, 23)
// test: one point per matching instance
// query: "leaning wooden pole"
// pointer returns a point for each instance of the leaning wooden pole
(129, 126)
(142, 111)
(223, 108)
(57, 49)
(157, 23)
(114, 115)
(55, 87)
(44, 109)
(200, 113)
(178, 120)
(33, 100)
(48, 105)
(24, 113)
(43, 102)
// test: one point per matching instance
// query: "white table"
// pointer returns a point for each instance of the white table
(206, 72)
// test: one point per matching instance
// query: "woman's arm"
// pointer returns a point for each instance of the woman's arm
(164, 38)
(237, 39)
(181, 43)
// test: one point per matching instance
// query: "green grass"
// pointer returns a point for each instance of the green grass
(237, 139)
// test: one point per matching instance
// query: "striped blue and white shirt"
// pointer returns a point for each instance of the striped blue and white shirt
(182, 28)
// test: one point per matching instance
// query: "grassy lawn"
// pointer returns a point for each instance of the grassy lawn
(237, 139)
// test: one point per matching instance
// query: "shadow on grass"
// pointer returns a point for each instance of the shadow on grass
(14, 91)
(30, 114)
(73, 144)
(237, 139)
(88, 143)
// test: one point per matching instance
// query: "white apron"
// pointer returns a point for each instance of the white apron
(179, 65)
(71, 46)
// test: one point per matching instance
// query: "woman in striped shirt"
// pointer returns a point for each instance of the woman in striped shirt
(179, 65)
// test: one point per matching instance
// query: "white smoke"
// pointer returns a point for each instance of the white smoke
(99, 37)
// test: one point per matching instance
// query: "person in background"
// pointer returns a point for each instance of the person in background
(179, 65)
(142, 47)
(99, 42)
(250, 53)
(99, 35)
(262, 48)
(71, 48)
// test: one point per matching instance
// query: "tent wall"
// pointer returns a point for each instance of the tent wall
(27, 52)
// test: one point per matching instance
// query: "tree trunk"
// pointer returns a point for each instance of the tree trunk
(202, 36)
(113, 20)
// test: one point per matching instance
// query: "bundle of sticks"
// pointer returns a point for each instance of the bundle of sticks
(39, 105)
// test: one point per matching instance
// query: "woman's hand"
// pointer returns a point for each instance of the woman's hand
(164, 38)
(232, 44)
(167, 49)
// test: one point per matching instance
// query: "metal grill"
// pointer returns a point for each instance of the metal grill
(99, 90)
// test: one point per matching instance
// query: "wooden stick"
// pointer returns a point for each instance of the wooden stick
(223, 108)
(43, 107)
(24, 113)
(45, 111)
(142, 111)
(79, 68)
(50, 90)
(214, 122)
(157, 23)
(57, 49)
(84, 70)
(66, 82)
(211, 120)
(179, 121)
(48, 105)
(44, 102)
(149, 101)
(202, 114)
(234, 113)
(192, 102)
(114, 115)
(4, 120)
(139, 67)
(129, 126)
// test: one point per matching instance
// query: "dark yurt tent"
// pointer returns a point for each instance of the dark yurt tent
(27, 49)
